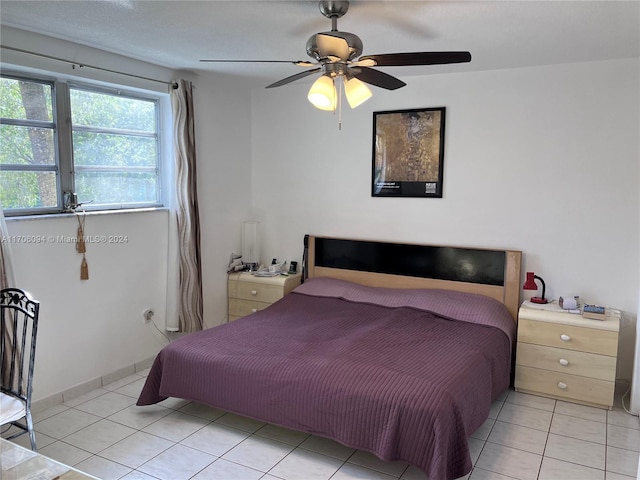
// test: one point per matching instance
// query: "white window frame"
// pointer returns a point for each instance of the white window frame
(63, 144)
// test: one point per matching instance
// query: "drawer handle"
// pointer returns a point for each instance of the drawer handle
(254, 310)
(564, 337)
(562, 385)
(254, 292)
(564, 362)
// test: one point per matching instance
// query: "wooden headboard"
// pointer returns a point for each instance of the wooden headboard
(494, 273)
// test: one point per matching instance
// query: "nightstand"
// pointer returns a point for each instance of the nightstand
(565, 356)
(248, 293)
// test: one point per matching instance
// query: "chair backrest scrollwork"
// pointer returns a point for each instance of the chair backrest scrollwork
(18, 331)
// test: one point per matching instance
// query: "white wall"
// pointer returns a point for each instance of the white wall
(634, 404)
(223, 143)
(544, 160)
(89, 328)
(92, 328)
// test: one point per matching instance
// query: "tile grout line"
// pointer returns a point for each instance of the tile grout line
(546, 441)
(136, 431)
(486, 440)
(555, 413)
(344, 462)
(606, 442)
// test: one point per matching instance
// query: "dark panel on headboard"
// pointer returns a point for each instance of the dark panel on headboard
(442, 263)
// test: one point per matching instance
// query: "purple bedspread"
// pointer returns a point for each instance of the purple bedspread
(381, 370)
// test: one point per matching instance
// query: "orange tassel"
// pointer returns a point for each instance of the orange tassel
(84, 269)
(80, 245)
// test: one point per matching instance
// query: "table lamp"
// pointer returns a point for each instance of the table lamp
(530, 284)
(251, 245)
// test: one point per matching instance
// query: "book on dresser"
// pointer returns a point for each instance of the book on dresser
(594, 312)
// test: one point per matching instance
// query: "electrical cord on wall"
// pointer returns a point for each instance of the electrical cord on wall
(161, 332)
(623, 405)
(625, 321)
(148, 315)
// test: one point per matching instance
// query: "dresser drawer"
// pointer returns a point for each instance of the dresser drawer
(562, 360)
(258, 292)
(568, 337)
(240, 307)
(249, 293)
(570, 387)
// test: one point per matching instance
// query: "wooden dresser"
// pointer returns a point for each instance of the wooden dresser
(248, 293)
(565, 356)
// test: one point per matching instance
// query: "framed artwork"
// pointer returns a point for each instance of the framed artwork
(408, 153)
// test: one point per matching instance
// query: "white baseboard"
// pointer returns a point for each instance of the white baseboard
(86, 387)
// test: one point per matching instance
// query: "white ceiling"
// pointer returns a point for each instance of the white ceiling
(177, 34)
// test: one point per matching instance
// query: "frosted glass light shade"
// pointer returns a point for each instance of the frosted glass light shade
(322, 93)
(251, 242)
(357, 92)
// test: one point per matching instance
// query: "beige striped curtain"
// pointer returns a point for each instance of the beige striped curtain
(6, 280)
(6, 272)
(190, 302)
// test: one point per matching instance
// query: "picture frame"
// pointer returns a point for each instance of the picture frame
(408, 153)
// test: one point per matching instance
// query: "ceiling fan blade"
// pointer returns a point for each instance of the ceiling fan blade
(293, 78)
(295, 62)
(417, 58)
(332, 46)
(377, 78)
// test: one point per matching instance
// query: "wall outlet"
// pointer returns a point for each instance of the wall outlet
(148, 314)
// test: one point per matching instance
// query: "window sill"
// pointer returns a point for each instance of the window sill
(22, 218)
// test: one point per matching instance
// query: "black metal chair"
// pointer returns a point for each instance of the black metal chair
(18, 330)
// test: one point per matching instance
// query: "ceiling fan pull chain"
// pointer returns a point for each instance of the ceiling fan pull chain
(339, 102)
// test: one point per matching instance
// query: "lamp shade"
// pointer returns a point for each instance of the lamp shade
(529, 283)
(322, 93)
(356, 92)
(251, 243)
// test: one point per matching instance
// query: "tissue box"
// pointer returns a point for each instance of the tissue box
(568, 303)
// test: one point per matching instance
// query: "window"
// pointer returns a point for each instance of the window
(107, 153)
(29, 177)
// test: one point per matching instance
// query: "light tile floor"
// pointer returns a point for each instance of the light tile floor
(526, 437)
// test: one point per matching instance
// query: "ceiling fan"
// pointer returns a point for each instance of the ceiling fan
(335, 54)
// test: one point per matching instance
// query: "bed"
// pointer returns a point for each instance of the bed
(394, 349)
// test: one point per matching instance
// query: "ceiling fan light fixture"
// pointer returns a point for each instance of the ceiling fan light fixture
(356, 92)
(322, 94)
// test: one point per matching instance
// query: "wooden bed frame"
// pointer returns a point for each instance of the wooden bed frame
(493, 273)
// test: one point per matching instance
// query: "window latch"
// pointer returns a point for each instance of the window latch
(71, 202)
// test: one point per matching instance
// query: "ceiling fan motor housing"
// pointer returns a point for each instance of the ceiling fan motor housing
(332, 9)
(317, 52)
